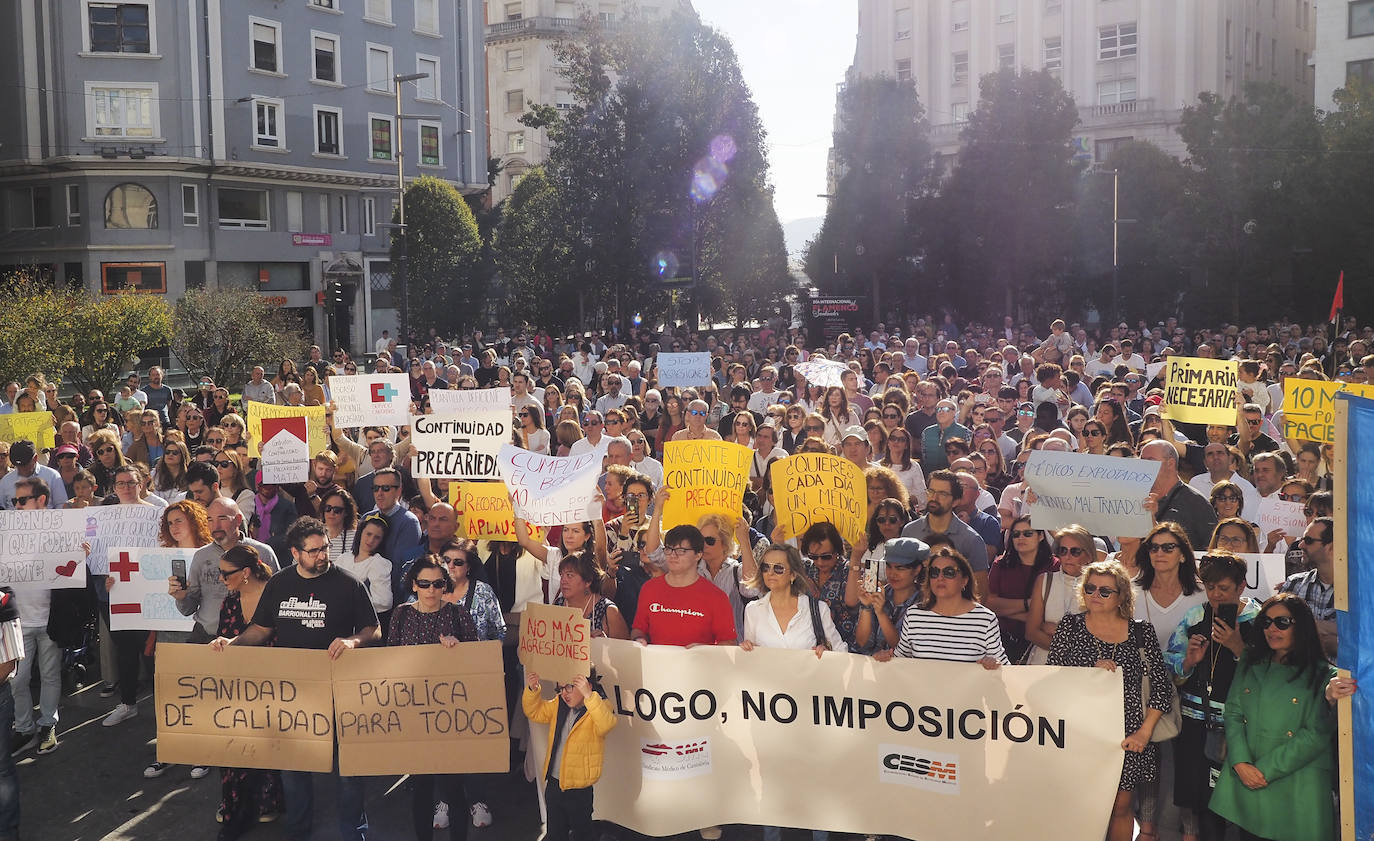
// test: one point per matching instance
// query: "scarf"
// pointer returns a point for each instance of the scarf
(264, 512)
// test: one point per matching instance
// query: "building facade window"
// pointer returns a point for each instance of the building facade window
(1359, 71)
(379, 68)
(515, 142)
(1054, 7)
(343, 214)
(903, 70)
(1116, 41)
(1361, 19)
(515, 101)
(119, 28)
(515, 59)
(431, 153)
(324, 4)
(378, 11)
(238, 208)
(328, 130)
(124, 111)
(266, 43)
(562, 98)
(190, 205)
(295, 211)
(369, 216)
(1006, 56)
(515, 11)
(427, 16)
(901, 24)
(130, 207)
(148, 278)
(958, 112)
(269, 124)
(382, 146)
(1054, 53)
(1104, 149)
(1006, 11)
(1116, 92)
(428, 88)
(958, 15)
(73, 192)
(30, 207)
(960, 72)
(325, 67)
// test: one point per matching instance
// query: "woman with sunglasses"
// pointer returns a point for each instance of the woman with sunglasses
(460, 559)
(1228, 499)
(247, 795)
(233, 480)
(1106, 637)
(340, 515)
(1055, 592)
(793, 429)
(1279, 728)
(99, 416)
(169, 476)
(533, 436)
(144, 444)
(369, 566)
(1011, 582)
(109, 456)
(742, 429)
(949, 625)
(429, 620)
(1093, 438)
(868, 559)
(897, 458)
(1203, 652)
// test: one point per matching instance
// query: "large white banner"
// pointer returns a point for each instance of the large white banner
(459, 445)
(684, 370)
(910, 748)
(551, 490)
(44, 548)
(469, 399)
(370, 400)
(139, 600)
(1104, 494)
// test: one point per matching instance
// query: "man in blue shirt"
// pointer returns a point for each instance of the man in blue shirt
(403, 527)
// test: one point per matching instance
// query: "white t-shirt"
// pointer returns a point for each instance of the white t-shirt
(1097, 368)
(583, 446)
(1135, 362)
(1165, 620)
(650, 467)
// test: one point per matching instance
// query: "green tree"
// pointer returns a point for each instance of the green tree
(223, 333)
(442, 252)
(1001, 229)
(1253, 159)
(865, 244)
(1343, 227)
(106, 334)
(31, 315)
(534, 269)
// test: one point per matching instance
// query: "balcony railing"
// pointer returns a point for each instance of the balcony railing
(1135, 106)
(534, 26)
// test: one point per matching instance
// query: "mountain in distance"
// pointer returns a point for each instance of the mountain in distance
(799, 232)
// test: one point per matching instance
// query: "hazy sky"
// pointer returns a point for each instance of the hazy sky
(793, 53)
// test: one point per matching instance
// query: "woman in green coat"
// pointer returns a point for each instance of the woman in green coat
(1280, 764)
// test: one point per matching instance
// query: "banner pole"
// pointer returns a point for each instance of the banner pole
(1345, 733)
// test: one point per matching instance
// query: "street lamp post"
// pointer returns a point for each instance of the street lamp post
(400, 283)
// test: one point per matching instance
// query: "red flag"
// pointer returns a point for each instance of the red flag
(1338, 300)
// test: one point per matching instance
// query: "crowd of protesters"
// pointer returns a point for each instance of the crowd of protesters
(1236, 693)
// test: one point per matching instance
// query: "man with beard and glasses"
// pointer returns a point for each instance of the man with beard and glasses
(203, 591)
(315, 605)
(945, 491)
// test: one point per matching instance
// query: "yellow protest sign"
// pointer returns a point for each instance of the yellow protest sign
(314, 421)
(485, 512)
(1309, 407)
(1201, 390)
(704, 477)
(813, 488)
(28, 426)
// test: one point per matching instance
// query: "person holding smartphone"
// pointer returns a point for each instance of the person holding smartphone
(1203, 652)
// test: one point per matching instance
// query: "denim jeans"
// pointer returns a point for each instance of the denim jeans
(9, 777)
(38, 647)
(349, 793)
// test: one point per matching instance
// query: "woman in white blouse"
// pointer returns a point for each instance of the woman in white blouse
(369, 567)
(533, 436)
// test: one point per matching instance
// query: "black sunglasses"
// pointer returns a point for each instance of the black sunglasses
(776, 569)
(890, 520)
(1283, 623)
(1107, 592)
(426, 583)
(823, 556)
(950, 572)
(1071, 551)
(1023, 533)
(20, 500)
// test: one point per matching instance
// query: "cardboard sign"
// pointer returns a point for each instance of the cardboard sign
(317, 440)
(245, 707)
(285, 453)
(1263, 574)
(485, 512)
(1275, 513)
(42, 549)
(28, 426)
(820, 488)
(683, 370)
(822, 372)
(460, 445)
(704, 477)
(139, 600)
(551, 490)
(555, 642)
(1309, 407)
(1201, 390)
(470, 399)
(421, 709)
(1104, 494)
(370, 400)
(716, 735)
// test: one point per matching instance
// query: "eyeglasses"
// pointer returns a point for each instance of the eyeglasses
(384, 488)
(886, 416)
(1163, 548)
(776, 569)
(315, 552)
(1025, 413)
(1228, 497)
(456, 562)
(1094, 433)
(1283, 623)
(101, 410)
(950, 572)
(20, 500)
(100, 452)
(1308, 540)
(823, 556)
(1252, 421)
(1293, 497)
(942, 410)
(699, 413)
(678, 551)
(334, 509)
(1104, 592)
(710, 541)
(126, 484)
(1071, 551)
(1023, 533)
(890, 520)
(426, 583)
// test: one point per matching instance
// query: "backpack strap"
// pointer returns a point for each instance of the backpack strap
(816, 621)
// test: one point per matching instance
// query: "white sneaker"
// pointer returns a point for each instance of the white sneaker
(481, 815)
(121, 713)
(441, 815)
(710, 833)
(200, 772)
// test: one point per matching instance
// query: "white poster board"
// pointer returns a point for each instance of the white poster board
(1104, 494)
(370, 400)
(684, 370)
(550, 490)
(139, 599)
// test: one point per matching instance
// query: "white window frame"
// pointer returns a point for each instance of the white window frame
(275, 25)
(562, 98)
(958, 113)
(506, 59)
(386, 7)
(295, 211)
(898, 70)
(337, 81)
(1004, 16)
(1000, 56)
(324, 213)
(369, 220)
(512, 92)
(505, 10)
(391, 120)
(1052, 54)
(958, 77)
(1115, 87)
(1110, 38)
(190, 211)
(86, 28)
(435, 78)
(420, 126)
(903, 32)
(249, 224)
(431, 26)
(280, 137)
(343, 214)
(338, 130)
(72, 193)
(387, 83)
(330, 6)
(151, 88)
(955, 23)
(511, 138)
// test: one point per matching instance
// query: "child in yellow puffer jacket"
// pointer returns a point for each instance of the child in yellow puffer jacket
(579, 719)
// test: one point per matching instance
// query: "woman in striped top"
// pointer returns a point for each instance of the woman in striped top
(949, 624)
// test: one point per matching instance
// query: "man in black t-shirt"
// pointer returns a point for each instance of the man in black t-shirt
(314, 604)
